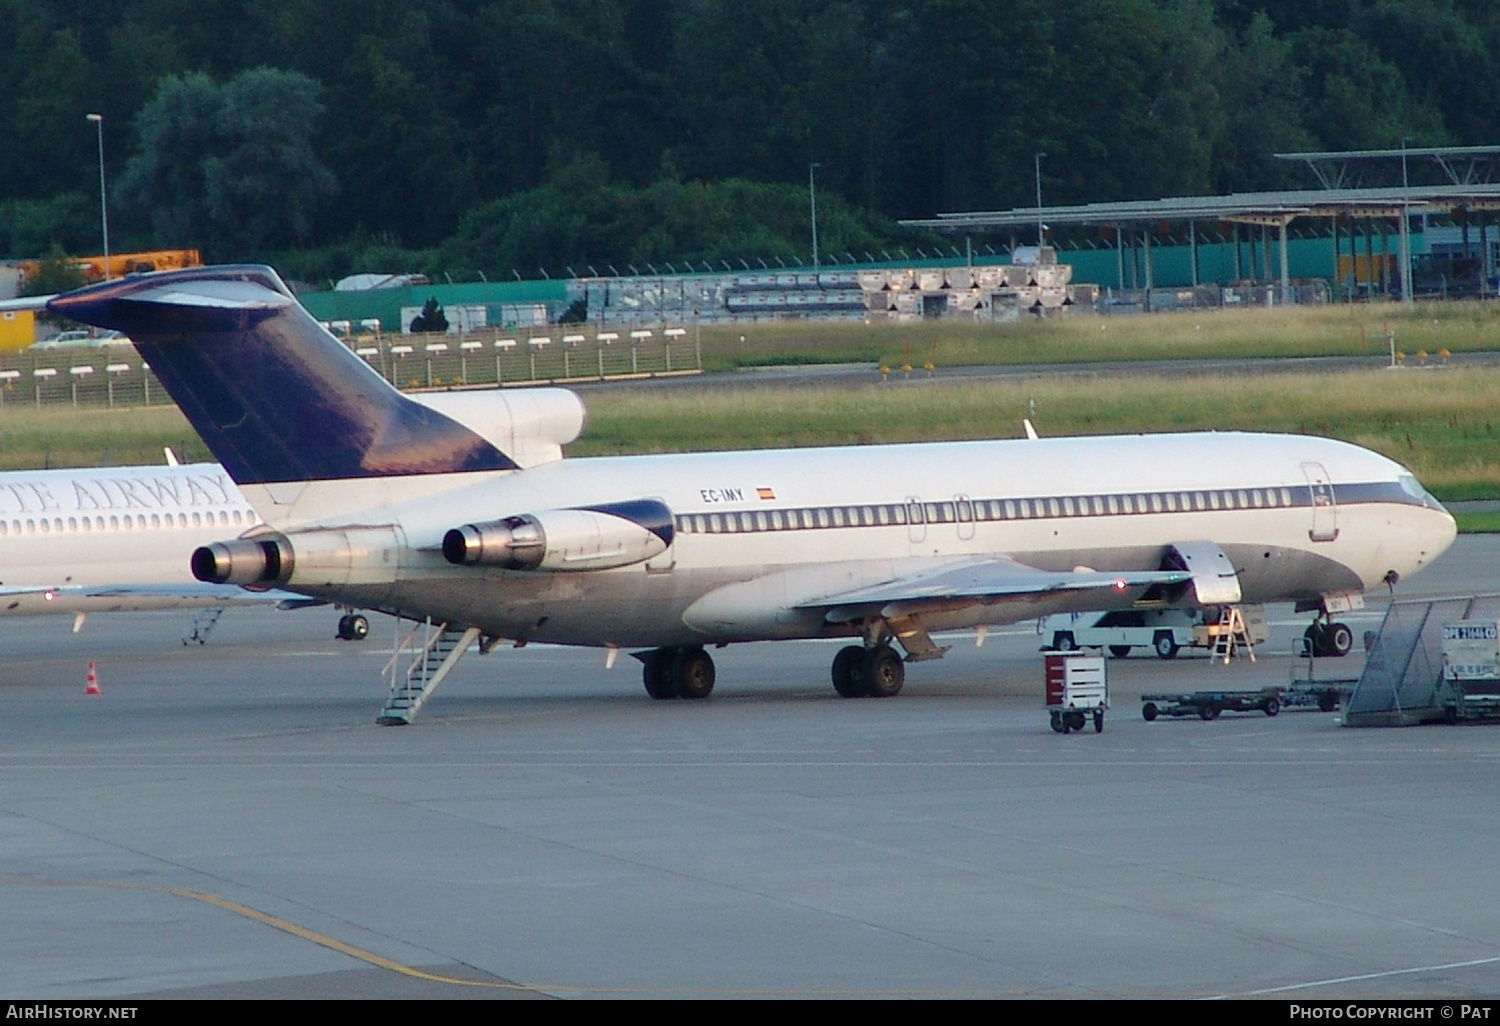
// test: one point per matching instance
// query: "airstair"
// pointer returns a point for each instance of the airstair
(202, 625)
(1402, 683)
(435, 650)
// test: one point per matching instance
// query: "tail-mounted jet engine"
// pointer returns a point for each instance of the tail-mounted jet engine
(589, 538)
(266, 560)
(317, 557)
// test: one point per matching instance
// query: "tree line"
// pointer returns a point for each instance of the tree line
(500, 137)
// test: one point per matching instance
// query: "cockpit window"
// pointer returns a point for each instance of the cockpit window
(1411, 486)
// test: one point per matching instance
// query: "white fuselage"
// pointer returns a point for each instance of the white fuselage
(64, 533)
(759, 535)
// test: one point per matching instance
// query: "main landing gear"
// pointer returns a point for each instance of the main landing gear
(1329, 639)
(353, 627)
(877, 672)
(677, 672)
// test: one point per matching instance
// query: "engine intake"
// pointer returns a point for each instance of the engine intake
(592, 538)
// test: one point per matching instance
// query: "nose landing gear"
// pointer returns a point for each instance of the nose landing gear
(1326, 638)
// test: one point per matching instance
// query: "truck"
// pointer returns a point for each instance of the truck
(1165, 631)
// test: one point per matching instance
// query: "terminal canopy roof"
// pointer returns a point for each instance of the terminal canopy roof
(1273, 209)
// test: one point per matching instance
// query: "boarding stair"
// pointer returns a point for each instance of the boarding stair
(1402, 682)
(435, 650)
(202, 625)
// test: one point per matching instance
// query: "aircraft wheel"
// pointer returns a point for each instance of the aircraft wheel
(656, 672)
(1316, 636)
(1165, 645)
(882, 672)
(847, 667)
(344, 632)
(693, 673)
(1338, 639)
(1149, 711)
(1062, 641)
(359, 628)
(1119, 651)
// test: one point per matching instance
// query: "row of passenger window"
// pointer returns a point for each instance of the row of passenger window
(970, 510)
(127, 522)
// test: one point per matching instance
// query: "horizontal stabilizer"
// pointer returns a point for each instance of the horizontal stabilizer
(275, 397)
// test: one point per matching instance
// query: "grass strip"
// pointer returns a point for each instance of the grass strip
(1257, 333)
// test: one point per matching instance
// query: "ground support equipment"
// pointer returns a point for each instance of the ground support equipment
(1325, 695)
(1472, 700)
(1208, 705)
(1077, 690)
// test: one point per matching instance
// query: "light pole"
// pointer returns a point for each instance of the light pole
(812, 198)
(1041, 229)
(98, 120)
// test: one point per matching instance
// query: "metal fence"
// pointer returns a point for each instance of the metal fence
(1210, 297)
(117, 376)
(564, 353)
(106, 376)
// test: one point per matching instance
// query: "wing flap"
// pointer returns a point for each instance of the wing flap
(988, 582)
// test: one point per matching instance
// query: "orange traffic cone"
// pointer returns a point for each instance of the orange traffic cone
(91, 687)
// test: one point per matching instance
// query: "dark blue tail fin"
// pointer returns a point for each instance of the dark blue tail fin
(275, 397)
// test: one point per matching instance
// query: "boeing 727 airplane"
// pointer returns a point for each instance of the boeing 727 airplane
(459, 507)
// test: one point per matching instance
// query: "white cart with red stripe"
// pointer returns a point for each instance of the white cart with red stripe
(1077, 690)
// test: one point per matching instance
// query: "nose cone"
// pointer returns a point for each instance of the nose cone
(1434, 535)
(1446, 531)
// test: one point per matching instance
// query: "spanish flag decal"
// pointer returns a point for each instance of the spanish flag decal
(765, 493)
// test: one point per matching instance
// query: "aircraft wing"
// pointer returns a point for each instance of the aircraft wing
(990, 581)
(129, 597)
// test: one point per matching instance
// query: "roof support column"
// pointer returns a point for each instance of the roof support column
(1119, 258)
(1406, 296)
(1385, 260)
(1338, 278)
(1193, 249)
(1286, 271)
(1484, 255)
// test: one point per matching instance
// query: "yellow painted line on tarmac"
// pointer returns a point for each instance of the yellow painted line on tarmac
(322, 940)
(369, 957)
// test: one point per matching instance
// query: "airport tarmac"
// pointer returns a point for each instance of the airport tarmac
(228, 820)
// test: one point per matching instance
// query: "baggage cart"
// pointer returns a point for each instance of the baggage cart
(1077, 690)
(1207, 705)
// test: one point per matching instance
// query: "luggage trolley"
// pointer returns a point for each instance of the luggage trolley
(1076, 687)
